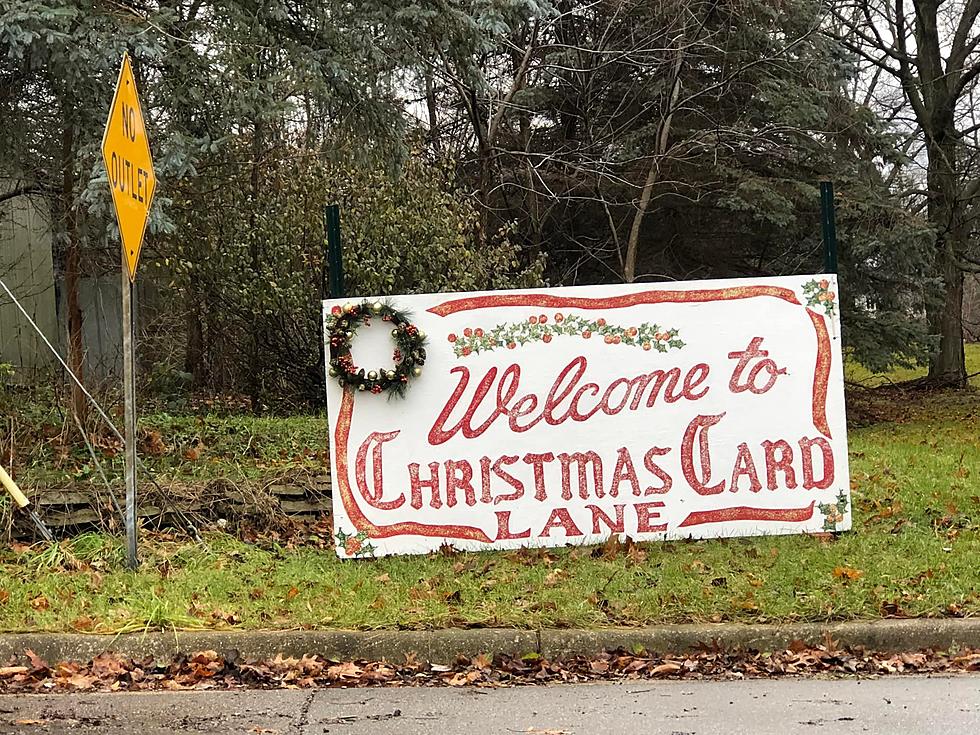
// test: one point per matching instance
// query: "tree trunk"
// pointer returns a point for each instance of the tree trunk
(255, 379)
(947, 367)
(72, 270)
(194, 349)
(653, 173)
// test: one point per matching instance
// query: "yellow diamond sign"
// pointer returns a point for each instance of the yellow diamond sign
(126, 153)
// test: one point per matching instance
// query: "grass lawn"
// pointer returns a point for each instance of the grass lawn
(914, 550)
(857, 374)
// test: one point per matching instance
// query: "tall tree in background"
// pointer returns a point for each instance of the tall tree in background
(930, 49)
(673, 139)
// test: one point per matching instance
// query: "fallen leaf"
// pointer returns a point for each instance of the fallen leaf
(848, 574)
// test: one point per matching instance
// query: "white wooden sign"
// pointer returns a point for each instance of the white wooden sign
(567, 415)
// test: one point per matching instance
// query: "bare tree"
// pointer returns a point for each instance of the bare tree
(930, 49)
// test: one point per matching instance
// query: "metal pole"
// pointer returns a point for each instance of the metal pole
(129, 401)
(828, 221)
(335, 256)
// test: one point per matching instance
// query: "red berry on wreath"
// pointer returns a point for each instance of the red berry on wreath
(452, 337)
(586, 334)
(511, 345)
(467, 332)
(617, 339)
(533, 320)
(466, 351)
(542, 319)
(478, 332)
(546, 338)
(336, 311)
(375, 389)
(607, 339)
(559, 317)
(601, 322)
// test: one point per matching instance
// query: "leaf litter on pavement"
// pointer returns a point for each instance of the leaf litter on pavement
(109, 672)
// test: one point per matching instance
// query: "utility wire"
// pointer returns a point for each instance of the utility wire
(105, 417)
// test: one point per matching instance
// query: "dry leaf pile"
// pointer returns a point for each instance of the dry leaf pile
(213, 670)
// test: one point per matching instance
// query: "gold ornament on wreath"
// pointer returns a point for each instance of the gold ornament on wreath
(408, 356)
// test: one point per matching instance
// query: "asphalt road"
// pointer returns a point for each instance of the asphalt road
(897, 706)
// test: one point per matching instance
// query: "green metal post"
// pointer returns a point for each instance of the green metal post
(828, 220)
(335, 256)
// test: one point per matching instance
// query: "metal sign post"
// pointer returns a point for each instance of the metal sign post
(828, 221)
(335, 256)
(126, 153)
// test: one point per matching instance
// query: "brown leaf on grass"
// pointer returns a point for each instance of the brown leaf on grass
(83, 623)
(40, 603)
(152, 443)
(292, 593)
(665, 669)
(554, 577)
(4, 596)
(12, 670)
(848, 574)
(29, 723)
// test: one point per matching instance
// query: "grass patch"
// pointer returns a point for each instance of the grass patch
(913, 551)
(857, 374)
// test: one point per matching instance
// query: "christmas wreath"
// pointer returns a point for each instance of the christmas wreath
(408, 356)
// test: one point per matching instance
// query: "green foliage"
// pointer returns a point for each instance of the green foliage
(256, 265)
(912, 552)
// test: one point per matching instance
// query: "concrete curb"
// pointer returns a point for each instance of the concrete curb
(442, 646)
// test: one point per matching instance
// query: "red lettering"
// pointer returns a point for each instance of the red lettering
(581, 459)
(617, 526)
(373, 497)
(522, 408)
(538, 461)
(735, 384)
(745, 465)
(485, 480)
(645, 514)
(591, 389)
(508, 478)
(659, 378)
(655, 469)
(806, 447)
(438, 434)
(695, 376)
(561, 518)
(558, 393)
(783, 464)
(503, 527)
(463, 482)
(699, 428)
(604, 403)
(417, 484)
(624, 472)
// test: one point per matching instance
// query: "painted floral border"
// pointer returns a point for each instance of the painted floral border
(819, 295)
(833, 513)
(542, 328)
